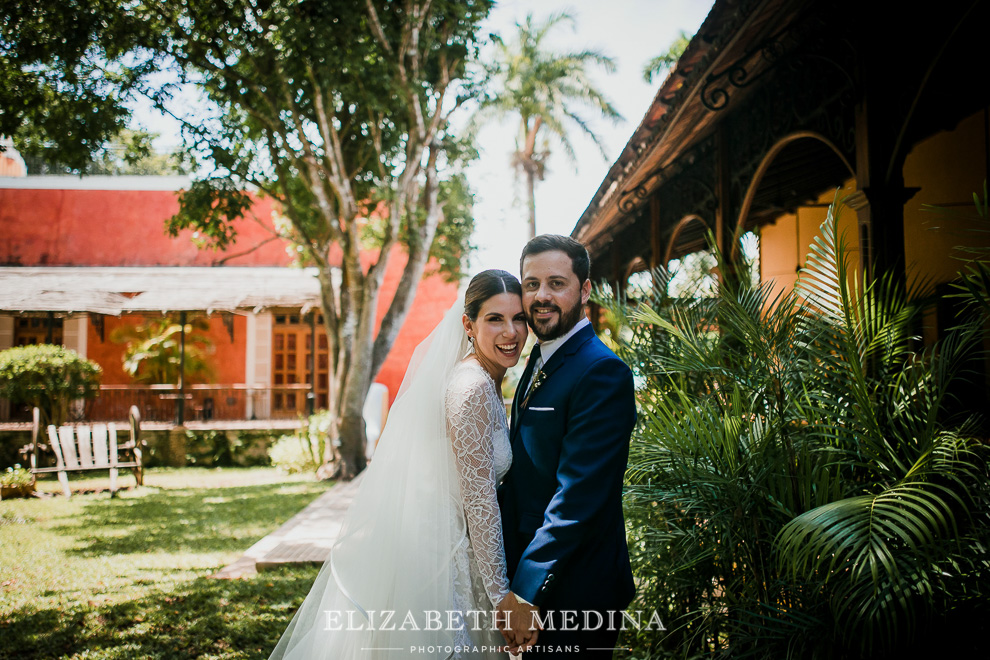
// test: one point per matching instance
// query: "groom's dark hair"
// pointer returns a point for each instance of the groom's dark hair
(580, 261)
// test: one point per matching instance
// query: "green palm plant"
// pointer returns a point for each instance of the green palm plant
(547, 90)
(152, 352)
(798, 486)
(974, 282)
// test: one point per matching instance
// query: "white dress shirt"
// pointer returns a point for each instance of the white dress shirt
(550, 346)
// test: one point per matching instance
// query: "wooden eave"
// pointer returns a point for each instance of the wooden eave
(677, 119)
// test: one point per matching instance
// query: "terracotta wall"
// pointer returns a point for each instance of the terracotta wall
(118, 228)
(67, 227)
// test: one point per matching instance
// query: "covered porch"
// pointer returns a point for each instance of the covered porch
(269, 357)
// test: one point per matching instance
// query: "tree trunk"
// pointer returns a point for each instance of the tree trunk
(531, 167)
(531, 197)
(353, 441)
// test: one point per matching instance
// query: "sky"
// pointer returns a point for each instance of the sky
(629, 31)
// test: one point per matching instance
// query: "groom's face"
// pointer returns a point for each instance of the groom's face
(553, 297)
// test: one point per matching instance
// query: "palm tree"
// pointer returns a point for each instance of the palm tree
(547, 90)
(152, 352)
(665, 61)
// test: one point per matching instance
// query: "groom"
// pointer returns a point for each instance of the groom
(561, 501)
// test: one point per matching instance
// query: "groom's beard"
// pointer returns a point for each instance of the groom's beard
(553, 327)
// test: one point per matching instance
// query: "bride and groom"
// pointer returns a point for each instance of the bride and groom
(470, 535)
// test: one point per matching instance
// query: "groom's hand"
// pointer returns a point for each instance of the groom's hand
(518, 623)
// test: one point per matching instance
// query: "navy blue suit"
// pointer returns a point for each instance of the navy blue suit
(561, 502)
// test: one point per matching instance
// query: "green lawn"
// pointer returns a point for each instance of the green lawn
(95, 577)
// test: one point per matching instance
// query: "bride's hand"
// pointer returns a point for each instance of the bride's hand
(518, 623)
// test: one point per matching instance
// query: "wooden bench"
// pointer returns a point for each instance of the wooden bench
(84, 447)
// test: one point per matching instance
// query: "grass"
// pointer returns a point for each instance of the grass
(94, 577)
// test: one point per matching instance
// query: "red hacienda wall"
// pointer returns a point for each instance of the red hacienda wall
(68, 227)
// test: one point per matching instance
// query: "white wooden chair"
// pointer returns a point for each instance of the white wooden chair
(375, 412)
(84, 447)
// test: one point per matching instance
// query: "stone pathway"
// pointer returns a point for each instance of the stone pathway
(306, 538)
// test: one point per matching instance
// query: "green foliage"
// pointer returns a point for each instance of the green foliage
(49, 377)
(799, 483)
(304, 451)
(153, 350)
(64, 83)
(665, 61)
(129, 152)
(974, 284)
(103, 578)
(223, 449)
(16, 477)
(452, 242)
(293, 454)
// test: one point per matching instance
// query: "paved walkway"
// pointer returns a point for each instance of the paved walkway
(306, 538)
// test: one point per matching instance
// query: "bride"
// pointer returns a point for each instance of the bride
(419, 567)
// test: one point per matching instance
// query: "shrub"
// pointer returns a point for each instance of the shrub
(16, 482)
(293, 453)
(798, 486)
(16, 477)
(227, 448)
(304, 451)
(49, 377)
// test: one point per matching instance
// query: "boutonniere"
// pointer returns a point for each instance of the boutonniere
(538, 379)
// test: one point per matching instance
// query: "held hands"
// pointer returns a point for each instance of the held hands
(518, 623)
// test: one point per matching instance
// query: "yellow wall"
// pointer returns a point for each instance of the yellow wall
(948, 167)
(785, 243)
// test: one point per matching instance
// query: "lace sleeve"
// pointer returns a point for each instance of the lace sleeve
(470, 425)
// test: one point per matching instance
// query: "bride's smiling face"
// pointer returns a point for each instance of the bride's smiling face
(499, 332)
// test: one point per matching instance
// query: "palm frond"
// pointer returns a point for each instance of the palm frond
(861, 535)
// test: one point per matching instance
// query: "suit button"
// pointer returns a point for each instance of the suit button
(551, 578)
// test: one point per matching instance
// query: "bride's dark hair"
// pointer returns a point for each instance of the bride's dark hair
(486, 284)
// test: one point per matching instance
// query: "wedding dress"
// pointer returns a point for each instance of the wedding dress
(419, 566)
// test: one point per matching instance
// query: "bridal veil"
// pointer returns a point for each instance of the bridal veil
(394, 553)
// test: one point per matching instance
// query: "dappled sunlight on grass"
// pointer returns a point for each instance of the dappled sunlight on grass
(95, 577)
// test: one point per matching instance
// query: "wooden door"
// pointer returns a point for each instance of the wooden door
(291, 336)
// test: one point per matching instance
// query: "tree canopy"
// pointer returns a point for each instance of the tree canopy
(339, 111)
(66, 73)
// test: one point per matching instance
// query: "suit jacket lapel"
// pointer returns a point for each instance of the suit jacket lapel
(572, 346)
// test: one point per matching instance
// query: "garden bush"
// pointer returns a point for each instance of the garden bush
(800, 483)
(228, 448)
(49, 377)
(305, 450)
(16, 482)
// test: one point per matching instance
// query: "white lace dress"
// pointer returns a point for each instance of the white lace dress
(479, 434)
